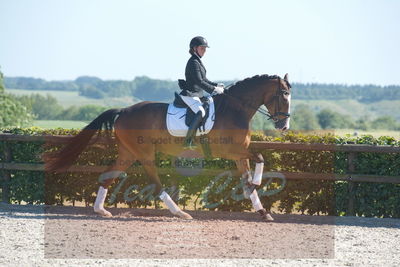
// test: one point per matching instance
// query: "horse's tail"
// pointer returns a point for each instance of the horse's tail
(64, 159)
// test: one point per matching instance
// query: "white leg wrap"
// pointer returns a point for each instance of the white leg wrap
(100, 198)
(173, 208)
(99, 203)
(255, 200)
(258, 172)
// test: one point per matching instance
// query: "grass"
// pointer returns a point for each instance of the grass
(353, 108)
(351, 132)
(52, 124)
(72, 98)
(374, 133)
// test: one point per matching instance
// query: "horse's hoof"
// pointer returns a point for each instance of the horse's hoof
(268, 218)
(184, 215)
(103, 212)
(265, 215)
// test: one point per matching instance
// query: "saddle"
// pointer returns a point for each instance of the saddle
(179, 115)
(189, 116)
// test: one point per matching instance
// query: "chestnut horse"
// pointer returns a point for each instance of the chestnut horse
(147, 121)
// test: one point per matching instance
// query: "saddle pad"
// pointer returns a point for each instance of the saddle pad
(176, 120)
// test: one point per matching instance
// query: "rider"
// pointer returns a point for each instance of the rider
(196, 82)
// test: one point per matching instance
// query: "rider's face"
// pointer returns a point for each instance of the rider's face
(201, 50)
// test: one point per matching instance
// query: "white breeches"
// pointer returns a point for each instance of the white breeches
(194, 103)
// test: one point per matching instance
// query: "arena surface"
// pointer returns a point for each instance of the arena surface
(65, 236)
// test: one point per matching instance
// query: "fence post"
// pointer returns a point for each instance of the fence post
(6, 174)
(351, 169)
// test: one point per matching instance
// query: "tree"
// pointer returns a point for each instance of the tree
(69, 114)
(12, 112)
(304, 119)
(91, 91)
(89, 112)
(42, 107)
(1, 83)
(261, 123)
(88, 80)
(155, 90)
(362, 124)
(329, 119)
(385, 122)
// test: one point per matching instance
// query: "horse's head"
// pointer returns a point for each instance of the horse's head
(278, 103)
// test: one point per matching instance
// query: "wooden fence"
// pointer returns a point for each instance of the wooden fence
(351, 149)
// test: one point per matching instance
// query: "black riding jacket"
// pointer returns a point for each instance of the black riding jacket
(196, 80)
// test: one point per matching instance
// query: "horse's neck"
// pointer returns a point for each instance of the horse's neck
(238, 106)
(248, 101)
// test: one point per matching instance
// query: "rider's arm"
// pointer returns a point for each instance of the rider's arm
(210, 82)
(204, 83)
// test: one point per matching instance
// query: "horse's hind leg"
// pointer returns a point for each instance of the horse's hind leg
(124, 160)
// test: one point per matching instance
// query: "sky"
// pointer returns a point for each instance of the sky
(322, 41)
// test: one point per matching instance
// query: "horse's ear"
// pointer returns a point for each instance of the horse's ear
(286, 78)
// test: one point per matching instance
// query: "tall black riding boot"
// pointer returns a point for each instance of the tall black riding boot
(192, 131)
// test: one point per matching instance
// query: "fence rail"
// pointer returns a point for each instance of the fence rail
(351, 149)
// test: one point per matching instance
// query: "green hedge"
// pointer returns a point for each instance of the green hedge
(222, 190)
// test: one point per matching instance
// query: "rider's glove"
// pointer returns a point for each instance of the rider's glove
(221, 85)
(218, 90)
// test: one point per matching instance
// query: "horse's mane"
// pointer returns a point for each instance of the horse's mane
(245, 82)
(229, 98)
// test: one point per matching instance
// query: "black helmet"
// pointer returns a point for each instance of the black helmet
(198, 41)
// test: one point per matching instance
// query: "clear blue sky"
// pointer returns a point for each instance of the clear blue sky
(335, 41)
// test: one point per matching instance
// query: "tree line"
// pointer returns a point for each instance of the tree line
(145, 88)
(304, 118)
(21, 110)
(48, 108)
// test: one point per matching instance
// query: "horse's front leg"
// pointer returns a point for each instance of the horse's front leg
(258, 171)
(251, 182)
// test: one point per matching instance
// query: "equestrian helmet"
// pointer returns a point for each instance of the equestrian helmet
(198, 41)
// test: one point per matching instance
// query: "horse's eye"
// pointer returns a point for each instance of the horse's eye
(286, 93)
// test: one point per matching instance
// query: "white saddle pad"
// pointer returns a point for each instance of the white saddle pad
(176, 120)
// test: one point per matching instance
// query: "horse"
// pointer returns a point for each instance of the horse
(147, 121)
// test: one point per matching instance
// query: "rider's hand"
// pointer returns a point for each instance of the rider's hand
(221, 85)
(218, 90)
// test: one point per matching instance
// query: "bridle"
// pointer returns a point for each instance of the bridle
(279, 93)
